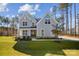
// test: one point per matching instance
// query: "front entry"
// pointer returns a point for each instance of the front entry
(24, 33)
(33, 33)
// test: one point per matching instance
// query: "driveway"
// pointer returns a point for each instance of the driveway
(69, 38)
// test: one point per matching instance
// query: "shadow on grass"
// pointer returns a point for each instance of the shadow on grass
(41, 48)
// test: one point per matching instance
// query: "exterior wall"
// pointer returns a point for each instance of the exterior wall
(31, 24)
(46, 27)
(28, 31)
(28, 20)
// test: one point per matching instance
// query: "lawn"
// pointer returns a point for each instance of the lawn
(9, 47)
(6, 47)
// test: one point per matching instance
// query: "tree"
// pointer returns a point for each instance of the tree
(54, 11)
(64, 7)
(6, 22)
(75, 16)
(71, 19)
(78, 22)
(1, 24)
(78, 26)
(56, 32)
(67, 23)
(14, 23)
(58, 27)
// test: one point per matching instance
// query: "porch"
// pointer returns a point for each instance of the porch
(28, 32)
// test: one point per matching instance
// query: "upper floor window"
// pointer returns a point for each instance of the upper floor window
(24, 23)
(47, 21)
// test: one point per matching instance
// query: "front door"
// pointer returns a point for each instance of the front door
(33, 33)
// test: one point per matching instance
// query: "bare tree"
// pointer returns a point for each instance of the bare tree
(71, 19)
(75, 17)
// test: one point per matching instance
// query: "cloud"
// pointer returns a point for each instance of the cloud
(13, 16)
(32, 13)
(25, 7)
(37, 7)
(32, 9)
(3, 7)
(51, 9)
(4, 4)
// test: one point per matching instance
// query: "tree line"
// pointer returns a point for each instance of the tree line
(69, 18)
(7, 23)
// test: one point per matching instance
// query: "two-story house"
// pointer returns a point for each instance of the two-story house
(29, 26)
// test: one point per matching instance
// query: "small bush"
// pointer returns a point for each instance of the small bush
(29, 38)
(24, 38)
(17, 39)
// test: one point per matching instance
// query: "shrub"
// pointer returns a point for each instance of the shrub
(29, 38)
(26, 38)
(18, 38)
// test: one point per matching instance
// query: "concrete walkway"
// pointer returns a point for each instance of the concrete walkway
(63, 38)
(69, 38)
(34, 39)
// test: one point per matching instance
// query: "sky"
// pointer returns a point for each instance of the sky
(35, 9)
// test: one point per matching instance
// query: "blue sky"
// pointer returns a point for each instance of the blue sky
(36, 9)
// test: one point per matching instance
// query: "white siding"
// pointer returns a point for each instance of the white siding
(46, 27)
(26, 18)
(28, 31)
(29, 23)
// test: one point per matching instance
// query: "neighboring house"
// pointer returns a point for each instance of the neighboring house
(29, 26)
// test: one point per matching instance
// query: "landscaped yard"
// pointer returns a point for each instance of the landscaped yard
(6, 47)
(10, 47)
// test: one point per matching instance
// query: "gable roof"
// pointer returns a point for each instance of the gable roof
(37, 19)
(27, 15)
(47, 15)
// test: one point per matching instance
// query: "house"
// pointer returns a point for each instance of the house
(29, 26)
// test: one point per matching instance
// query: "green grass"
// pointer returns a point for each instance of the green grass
(42, 48)
(9, 47)
(6, 47)
(39, 48)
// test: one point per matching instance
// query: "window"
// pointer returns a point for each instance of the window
(33, 24)
(47, 21)
(42, 31)
(24, 23)
(24, 32)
